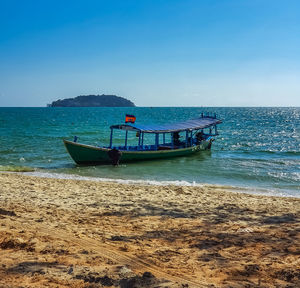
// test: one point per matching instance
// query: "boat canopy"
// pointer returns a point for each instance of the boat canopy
(194, 124)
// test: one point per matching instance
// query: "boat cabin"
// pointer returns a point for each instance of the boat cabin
(167, 136)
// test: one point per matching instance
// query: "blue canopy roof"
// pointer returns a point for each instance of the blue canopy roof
(194, 124)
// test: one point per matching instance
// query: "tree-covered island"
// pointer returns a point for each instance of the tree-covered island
(93, 101)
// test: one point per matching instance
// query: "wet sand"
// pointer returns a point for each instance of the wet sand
(71, 233)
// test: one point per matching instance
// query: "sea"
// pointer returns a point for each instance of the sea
(257, 150)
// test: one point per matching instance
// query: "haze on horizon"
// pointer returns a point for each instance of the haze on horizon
(154, 53)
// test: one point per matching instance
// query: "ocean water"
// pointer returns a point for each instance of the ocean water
(257, 149)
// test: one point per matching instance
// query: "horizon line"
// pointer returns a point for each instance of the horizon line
(152, 107)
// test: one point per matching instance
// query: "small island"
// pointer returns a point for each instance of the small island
(93, 101)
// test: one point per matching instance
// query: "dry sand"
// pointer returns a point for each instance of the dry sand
(71, 233)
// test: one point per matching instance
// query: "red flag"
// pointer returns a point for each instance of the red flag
(130, 118)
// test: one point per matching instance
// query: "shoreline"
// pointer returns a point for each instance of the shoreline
(66, 232)
(227, 187)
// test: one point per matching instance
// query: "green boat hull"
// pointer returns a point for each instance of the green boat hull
(88, 155)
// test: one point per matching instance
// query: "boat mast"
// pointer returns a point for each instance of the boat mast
(126, 136)
(111, 135)
(139, 139)
(156, 140)
(186, 137)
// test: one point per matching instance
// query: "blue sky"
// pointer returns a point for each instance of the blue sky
(155, 53)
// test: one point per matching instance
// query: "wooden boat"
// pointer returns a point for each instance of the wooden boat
(171, 140)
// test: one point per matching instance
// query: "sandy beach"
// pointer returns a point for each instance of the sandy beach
(71, 233)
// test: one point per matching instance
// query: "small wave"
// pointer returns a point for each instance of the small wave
(258, 191)
(7, 151)
(17, 168)
(121, 181)
(270, 152)
(295, 153)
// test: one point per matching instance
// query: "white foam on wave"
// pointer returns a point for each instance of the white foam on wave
(121, 181)
(247, 190)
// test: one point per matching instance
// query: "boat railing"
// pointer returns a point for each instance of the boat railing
(164, 146)
(135, 148)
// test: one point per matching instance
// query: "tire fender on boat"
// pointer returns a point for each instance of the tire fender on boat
(115, 156)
